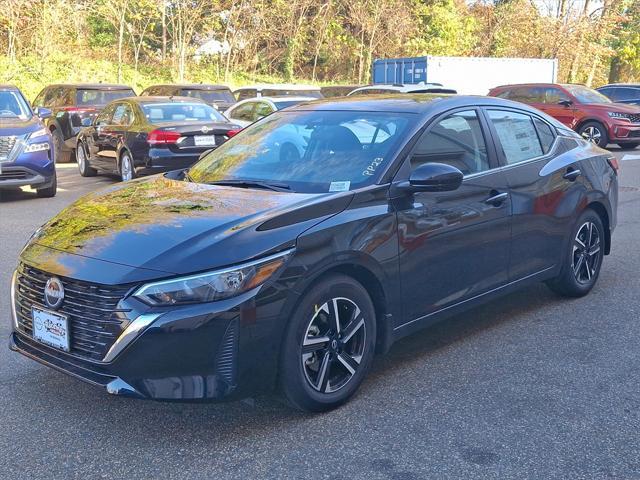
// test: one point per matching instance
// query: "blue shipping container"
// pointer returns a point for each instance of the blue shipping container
(410, 70)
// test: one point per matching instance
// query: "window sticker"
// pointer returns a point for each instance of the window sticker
(339, 186)
(371, 169)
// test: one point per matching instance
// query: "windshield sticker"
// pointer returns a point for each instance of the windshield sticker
(371, 169)
(339, 186)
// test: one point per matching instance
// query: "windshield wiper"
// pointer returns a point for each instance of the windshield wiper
(277, 187)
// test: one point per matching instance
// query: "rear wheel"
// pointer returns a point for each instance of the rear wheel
(83, 161)
(628, 145)
(61, 156)
(50, 191)
(594, 132)
(583, 259)
(329, 345)
(127, 172)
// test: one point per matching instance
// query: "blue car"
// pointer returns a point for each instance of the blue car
(26, 147)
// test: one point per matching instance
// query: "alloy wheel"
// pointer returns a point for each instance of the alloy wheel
(126, 169)
(586, 253)
(333, 345)
(80, 157)
(592, 134)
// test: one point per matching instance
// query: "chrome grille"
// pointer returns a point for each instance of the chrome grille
(91, 309)
(6, 146)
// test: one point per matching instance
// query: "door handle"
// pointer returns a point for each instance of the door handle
(496, 198)
(572, 174)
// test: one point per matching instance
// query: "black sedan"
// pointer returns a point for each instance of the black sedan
(145, 135)
(252, 270)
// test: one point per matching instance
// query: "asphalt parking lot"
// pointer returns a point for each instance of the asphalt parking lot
(530, 386)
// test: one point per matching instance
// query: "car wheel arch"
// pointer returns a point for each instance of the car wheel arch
(584, 121)
(362, 272)
(602, 212)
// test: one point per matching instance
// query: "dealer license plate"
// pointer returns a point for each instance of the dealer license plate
(50, 328)
(204, 140)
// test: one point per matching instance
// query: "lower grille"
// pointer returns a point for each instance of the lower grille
(634, 134)
(6, 146)
(91, 309)
(16, 174)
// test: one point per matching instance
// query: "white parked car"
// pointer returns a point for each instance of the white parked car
(278, 90)
(251, 110)
(399, 88)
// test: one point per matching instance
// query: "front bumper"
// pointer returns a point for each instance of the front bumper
(34, 169)
(624, 131)
(219, 351)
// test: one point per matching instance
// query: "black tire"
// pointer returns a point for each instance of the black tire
(123, 170)
(311, 341)
(60, 155)
(84, 166)
(628, 145)
(595, 132)
(582, 261)
(50, 191)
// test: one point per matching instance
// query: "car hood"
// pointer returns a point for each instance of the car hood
(16, 126)
(615, 107)
(177, 227)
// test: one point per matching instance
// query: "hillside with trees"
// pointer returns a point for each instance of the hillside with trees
(140, 42)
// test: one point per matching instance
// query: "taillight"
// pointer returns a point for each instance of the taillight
(613, 162)
(163, 137)
(78, 109)
(234, 132)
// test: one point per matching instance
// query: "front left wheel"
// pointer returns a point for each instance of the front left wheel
(127, 171)
(329, 345)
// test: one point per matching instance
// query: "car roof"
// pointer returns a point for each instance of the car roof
(417, 103)
(279, 98)
(160, 99)
(278, 86)
(634, 85)
(93, 86)
(9, 87)
(192, 86)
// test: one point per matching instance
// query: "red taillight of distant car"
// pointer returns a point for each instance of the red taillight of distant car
(78, 109)
(163, 137)
(613, 162)
(234, 132)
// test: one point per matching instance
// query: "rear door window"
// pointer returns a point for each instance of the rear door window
(244, 112)
(626, 94)
(122, 115)
(517, 134)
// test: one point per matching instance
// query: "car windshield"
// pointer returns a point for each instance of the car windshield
(308, 151)
(181, 112)
(586, 95)
(13, 105)
(87, 96)
(209, 96)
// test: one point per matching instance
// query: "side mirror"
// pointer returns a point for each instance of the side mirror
(435, 177)
(42, 112)
(565, 103)
(86, 122)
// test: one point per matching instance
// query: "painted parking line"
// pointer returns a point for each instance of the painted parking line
(630, 156)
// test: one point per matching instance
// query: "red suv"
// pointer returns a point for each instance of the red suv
(588, 112)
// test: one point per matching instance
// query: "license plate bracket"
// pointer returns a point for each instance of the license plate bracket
(204, 140)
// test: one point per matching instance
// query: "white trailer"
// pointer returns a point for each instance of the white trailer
(468, 75)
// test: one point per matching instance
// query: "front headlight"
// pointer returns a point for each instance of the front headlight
(212, 286)
(43, 132)
(618, 115)
(36, 147)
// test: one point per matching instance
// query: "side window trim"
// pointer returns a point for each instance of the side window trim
(499, 151)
